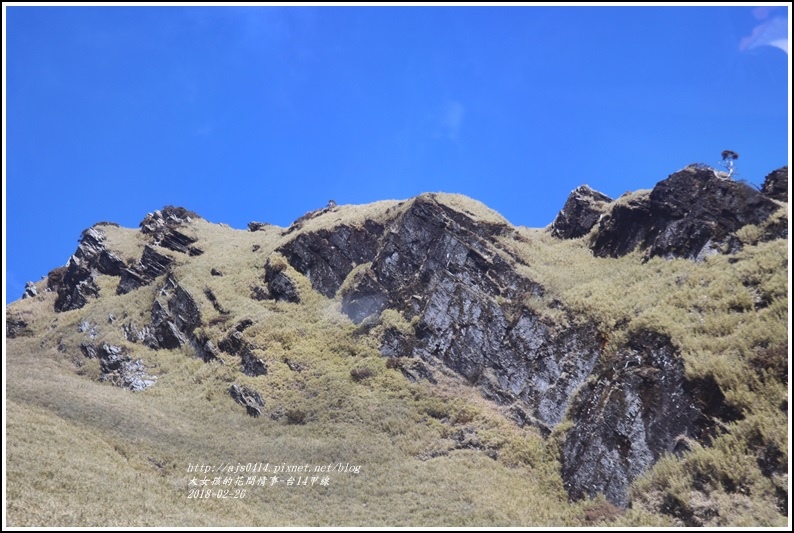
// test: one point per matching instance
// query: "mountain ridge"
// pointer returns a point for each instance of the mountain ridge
(440, 287)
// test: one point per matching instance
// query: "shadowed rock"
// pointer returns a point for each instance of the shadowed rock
(30, 290)
(638, 409)
(580, 213)
(16, 327)
(175, 316)
(279, 284)
(162, 226)
(75, 282)
(248, 398)
(327, 257)
(151, 265)
(776, 185)
(439, 265)
(691, 214)
(117, 367)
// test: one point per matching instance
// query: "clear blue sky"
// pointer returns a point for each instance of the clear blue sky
(263, 113)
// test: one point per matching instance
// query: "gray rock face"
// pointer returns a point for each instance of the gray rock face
(280, 285)
(251, 364)
(439, 265)
(776, 185)
(235, 344)
(248, 398)
(151, 265)
(175, 316)
(118, 368)
(464, 298)
(256, 226)
(326, 257)
(30, 290)
(580, 213)
(631, 414)
(74, 282)
(162, 226)
(691, 214)
(15, 326)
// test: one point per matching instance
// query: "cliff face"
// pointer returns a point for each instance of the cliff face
(442, 286)
(693, 213)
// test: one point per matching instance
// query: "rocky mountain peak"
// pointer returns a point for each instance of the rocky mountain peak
(581, 212)
(693, 213)
(446, 290)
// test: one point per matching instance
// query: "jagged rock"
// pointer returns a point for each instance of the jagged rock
(214, 301)
(251, 364)
(256, 226)
(633, 413)
(174, 317)
(118, 368)
(691, 214)
(581, 212)
(84, 326)
(75, 284)
(168, 216)
(92, 253)
(135, 334)
(281, 287)
(395, 343)
(16, 327)
(438, 264)
(776, 185)
(151, 265)
(233, 343)
(30, 290)
(179, 242)
(259, 293)
(75, 281)
(248, 398)
(88, 349)
(162, 224)
(327, 257)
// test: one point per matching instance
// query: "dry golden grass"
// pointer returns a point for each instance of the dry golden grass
(84, 453)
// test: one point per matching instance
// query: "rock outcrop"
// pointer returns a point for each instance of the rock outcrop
(691, 214)
(162, 226)
(327, 257)
(280, 286)
(626, 417)
(75, 282)
(30, 290)
(776, 185)
(439, 267)
(580, 213)
(16, 327)
(151, 265)
(235, 344)
(248, 398)
(441, 289)
(175, 316)
(117, 367)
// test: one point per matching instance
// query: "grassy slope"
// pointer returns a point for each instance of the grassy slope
(86, 453)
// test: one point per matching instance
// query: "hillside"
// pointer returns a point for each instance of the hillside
(413, 363)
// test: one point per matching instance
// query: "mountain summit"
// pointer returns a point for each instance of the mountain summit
(626, 365)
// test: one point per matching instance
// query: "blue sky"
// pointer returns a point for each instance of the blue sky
(265, 113)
